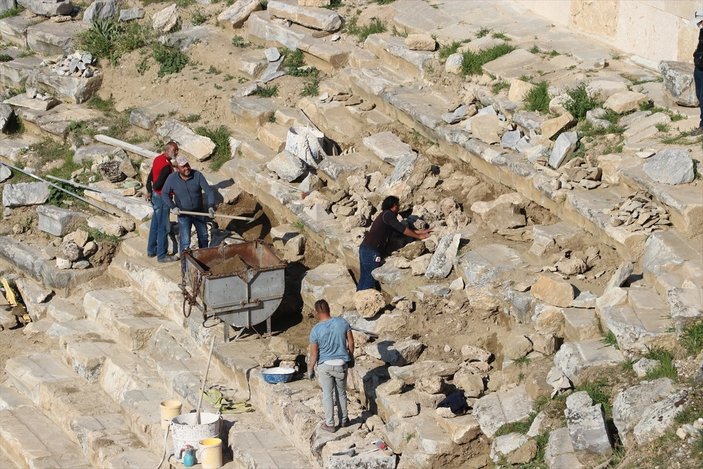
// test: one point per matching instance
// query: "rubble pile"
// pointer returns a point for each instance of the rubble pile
(640, 213)
(76, 64)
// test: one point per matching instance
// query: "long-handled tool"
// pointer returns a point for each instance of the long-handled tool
(202, 390)
(231, 217)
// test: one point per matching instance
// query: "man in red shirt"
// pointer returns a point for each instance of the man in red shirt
(158, 231)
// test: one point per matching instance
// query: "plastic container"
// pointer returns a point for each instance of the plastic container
(210, 453)
(186, 432)
(169, 409)
(278, 374)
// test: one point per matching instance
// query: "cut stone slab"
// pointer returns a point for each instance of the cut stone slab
(580, 324)
(316, 18)
(550, 127)
(400, 353)
(28, 373)
(563, 147)
(670, 166)
(485, 265)
(166, 19)
(658, 417)
(629, 405)
(56, 221)
(559, 453)
(238, 13)
(548, 238)
(100, 10)
(514, 448)
(678, 81)
(22, 100)
(586, 425)
(412, 373)
(200, 147)
(625, 101)
(553, 290)
(423, 42)
(574, 357)
(48, 7)
(331, 282)
(505, 212)
(388, 147)
(264, 448)
(287, 166)
(519, 89)
(252, 112)
(369, 302)
(5, 173)
(444, 257)
(49, 38)
(498, 408)
(69, 88)
(25, 193)
(486, 128)
(131, 14)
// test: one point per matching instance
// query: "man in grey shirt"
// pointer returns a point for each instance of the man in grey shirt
(184, 190)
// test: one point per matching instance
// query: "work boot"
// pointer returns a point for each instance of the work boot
(697, 132)
(168, 259)
(328, 428)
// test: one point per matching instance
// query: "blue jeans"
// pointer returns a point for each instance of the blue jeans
(157, 245)
(369, 259)
(333, 380)
(185, 223)
(698, 79)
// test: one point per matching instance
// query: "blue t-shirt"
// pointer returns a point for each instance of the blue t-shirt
(331, 339)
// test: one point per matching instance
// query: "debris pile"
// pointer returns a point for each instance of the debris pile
(77, 64)
(639, 213)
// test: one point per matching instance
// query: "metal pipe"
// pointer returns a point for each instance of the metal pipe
(61, 189)
(126, 146)
(73, 183)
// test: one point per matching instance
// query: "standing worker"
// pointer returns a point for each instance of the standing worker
(184, 190)
(698, 68)
(376, 239)
(161, 168)
(331, 350)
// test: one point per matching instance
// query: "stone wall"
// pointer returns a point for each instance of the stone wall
(654, 30)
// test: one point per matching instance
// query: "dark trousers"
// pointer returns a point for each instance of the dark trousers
(698, 79)
(369, 259)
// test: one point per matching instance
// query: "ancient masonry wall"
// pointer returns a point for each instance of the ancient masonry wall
(653, 30)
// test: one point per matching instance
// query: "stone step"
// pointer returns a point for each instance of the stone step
(264, 449)
(31, 440)
(82, 410)
(394, 54)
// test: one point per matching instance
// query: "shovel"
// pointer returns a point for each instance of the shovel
(202, 390)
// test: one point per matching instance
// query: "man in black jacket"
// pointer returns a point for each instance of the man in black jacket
(698, 70)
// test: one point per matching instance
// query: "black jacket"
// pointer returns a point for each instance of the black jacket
(698, 54)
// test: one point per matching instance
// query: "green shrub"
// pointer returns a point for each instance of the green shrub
(198, 18)
(692, 338)
(312, 86)
(294, 62)
(109, 40)
(537, 99)
(238, 41)
(220, 137)
(267, 91)
(170, 59)
(473, 62)
(579, 102)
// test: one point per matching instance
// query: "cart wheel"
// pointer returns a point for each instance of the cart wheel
(187, 307)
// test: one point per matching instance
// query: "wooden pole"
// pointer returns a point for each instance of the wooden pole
(230, 217)
(126, 146)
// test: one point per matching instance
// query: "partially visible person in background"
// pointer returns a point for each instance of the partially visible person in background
(161, 168)
(698, 68)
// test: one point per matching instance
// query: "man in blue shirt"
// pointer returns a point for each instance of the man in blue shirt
(331, 349)
(183, 190)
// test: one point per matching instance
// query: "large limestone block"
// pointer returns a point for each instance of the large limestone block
(287, 166)
(586, 425)
(550, 127)
(316, 18)
(563, 147)
(49, 38)
(444, 256)
(100, 10)
(514, 448)
(165, 20)
(657, 418)
(369, 302)
(519, 89)
(331, 282)
(629, 405)
(670, 166)
(396, 353)
(69, 88)
(485, 265)
(678, 81)
(54, 220)
(505, 212)
(625, 101)
(498, 408)
(575, 357)
(553, 290)
(47, 7)
(25, 193)
(423, 42)
(238, 13)
(388, 147)
(200, 147)
(559, 453)
(486, 128)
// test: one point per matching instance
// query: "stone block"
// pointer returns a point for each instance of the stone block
(331, 282)
(563, 147)
(657, 418)
(551, 127)
(670, 166)
(485, 265)
(200, 147)
(387, 147)
(56, 221)
(586, 425)
(100, 10)
(580, 324)
(444, 257)
(49, 38)
(486, 128)
(624, 101)
(236, 14)
(678, 81)
(553, 290)
(559, 453)
(369, 302)
(505, 212)
(69, 88)
(131, 14)
(316, 18)
(166, 19)
(630, 404)
(519, 89)
(252, 112)
(25, 193)
(574, 357)
(48, 7)
(423, 42)
(514, 448)
(496, 409)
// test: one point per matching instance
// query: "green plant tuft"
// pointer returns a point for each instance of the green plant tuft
(170, 59)
(109, 40)
(198, 18)
(239, 41)
(579, 102)
(14, 11)
(537, 99)
(499, 86)
(665, 368)
(220, 137)
(610, 339)
(447, 50)
(692, 338)
(352, 27)
(482, 32)
(472, 62)
(598, 392)
(267, 91)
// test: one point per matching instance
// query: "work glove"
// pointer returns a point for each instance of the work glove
(176, 211)
(211, 211)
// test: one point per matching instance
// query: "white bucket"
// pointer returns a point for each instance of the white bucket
(169, 409)
(186, 432)
(210, 453)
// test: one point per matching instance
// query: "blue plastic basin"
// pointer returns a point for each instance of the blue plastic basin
(277, 375)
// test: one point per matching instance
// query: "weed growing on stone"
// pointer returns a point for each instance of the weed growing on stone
(352, 27)
(537, 99)
(334, 4)
(299, 225)
(579, 102)
(598, 392)
(384, 2)
(220, 137)
(500, 86)
(264, 4)
(191, 118)
(682, 138)
(267, 91)
(238, 41)
(227, 77)
(397, 32)
(610, 339)
(666, 368)
(14, 11)
(482, 32)
(473, 62)
(100, 104)
(170, 59)
(500, 35)
(102, 237)
(692, 338)
(213, 70)
(535, 50)
(198, 18)
(522, 361)
(627, 364)
(143, 65)
(517, 427)
(109, 40)
(662, 127)
(447, 50)
(294, 62)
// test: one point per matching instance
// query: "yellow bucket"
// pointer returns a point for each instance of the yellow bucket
(169, 409)
(210, 453)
